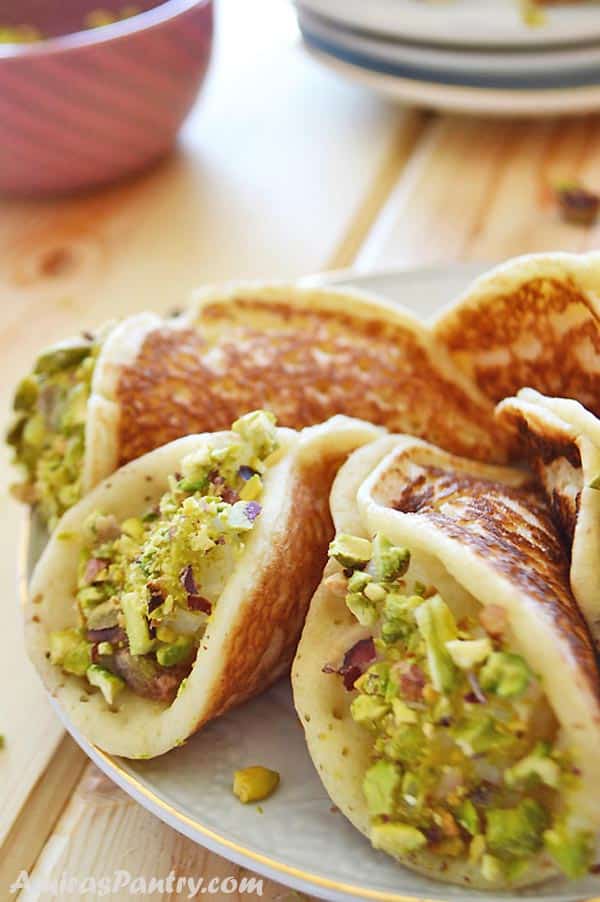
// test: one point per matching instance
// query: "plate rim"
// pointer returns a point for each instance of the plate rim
(523, 37)
(474, 62)
(502, 102)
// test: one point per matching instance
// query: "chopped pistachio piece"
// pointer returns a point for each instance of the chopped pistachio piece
(368, 709)
(374, 592)
(253, 784)
(537, 765)
(109, 684)
(437, 626)
(402, 713)
(379, 785)
(359, 581)
(506, 674)
(516, 831)
(70, 650)
(364, 610)
(351, 551)
(397, 839)
(389, 561)
(252, 489)
(26, 394)
(572, 851)
(491, 868)
(466, 653)
(468, 818)
(176, 652)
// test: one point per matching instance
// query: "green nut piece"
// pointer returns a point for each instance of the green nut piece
(516, 832)
(359, 581)
(14, 433)
(389, 561)
(176, 652)
(505, 674)
(26, 394)
(350, 551)
(136, 624)
(34, 431)
(71, 651)
(368, 709)
(402, 713)
(253, 784)
(468, 818)
(411, 788)
(491, 868)
(479, 734)
(537, 766)
(437, 626)
(466, 653)
(60, 357)
(109, 684)
(259, 430)
(379, 786)
(91, 596)
(573, 852)
(364, 610)
(397, 839)
(134, 528)
(375, 592)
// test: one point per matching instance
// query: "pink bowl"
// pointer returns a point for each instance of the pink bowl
(81, 108)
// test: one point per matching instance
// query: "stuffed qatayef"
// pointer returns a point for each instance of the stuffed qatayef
(561, 440)
(304, 353)
(445, 679)
(534, 320)
(177, 588)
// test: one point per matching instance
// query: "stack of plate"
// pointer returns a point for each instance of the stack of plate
(463, 55)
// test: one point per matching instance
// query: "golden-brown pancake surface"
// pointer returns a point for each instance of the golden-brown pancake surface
(304, 363)
(532, 322)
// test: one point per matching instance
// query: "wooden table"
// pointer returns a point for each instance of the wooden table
(282, 170)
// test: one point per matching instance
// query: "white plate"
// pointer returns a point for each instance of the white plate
(453, 98)
(485, 23)
(548, 67)
(298, 840)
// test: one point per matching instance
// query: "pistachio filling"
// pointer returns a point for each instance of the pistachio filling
(466, 757)
(148, 586)
(48, 428)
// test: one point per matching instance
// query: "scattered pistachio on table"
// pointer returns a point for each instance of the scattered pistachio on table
(577, 205)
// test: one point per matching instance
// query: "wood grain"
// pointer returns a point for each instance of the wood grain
(103, 832)
(481, 189)
(39, 814)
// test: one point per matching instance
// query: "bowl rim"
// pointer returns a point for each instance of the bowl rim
(142, 21)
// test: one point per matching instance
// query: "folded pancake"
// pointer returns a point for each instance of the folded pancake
(445, 678)
(306, 354)
(177, 588)
(64, 429)
(561, 440)
(534, 321)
